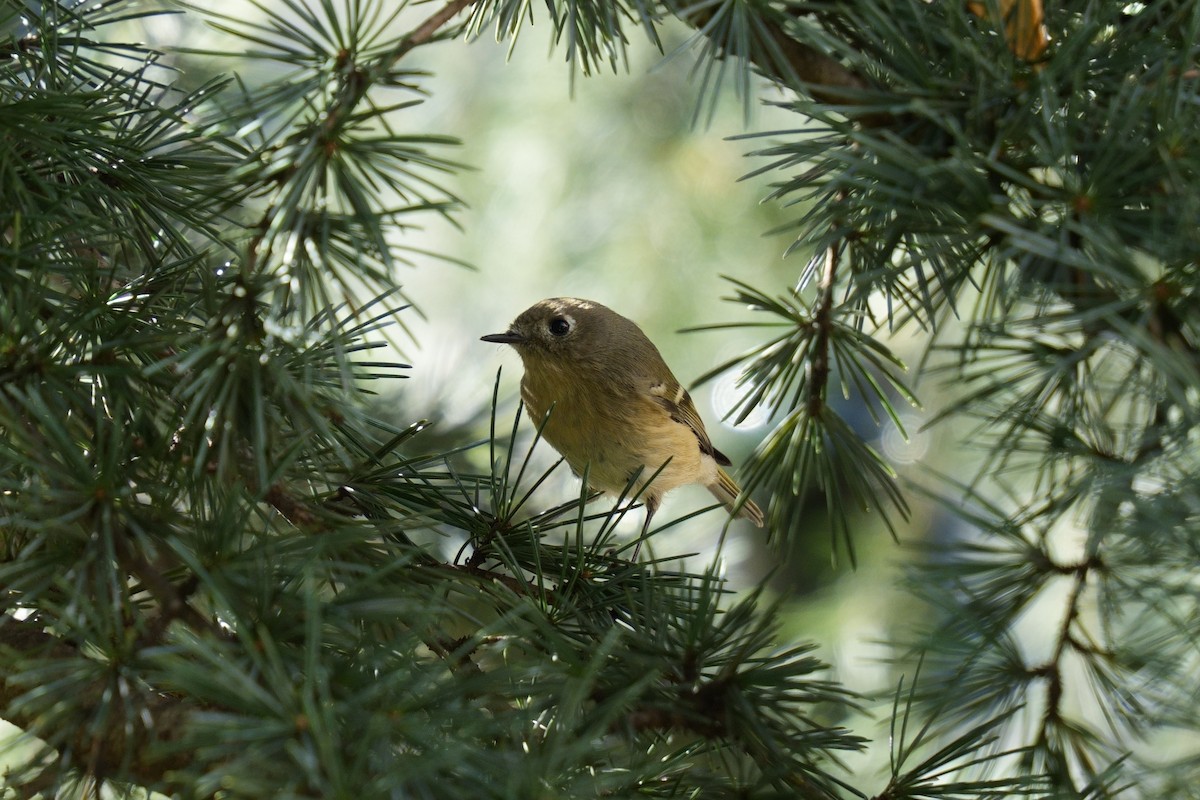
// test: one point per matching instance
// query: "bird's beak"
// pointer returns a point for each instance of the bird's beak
(509, 337)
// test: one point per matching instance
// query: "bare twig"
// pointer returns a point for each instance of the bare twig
(293, 510)
(818, 366)
(425, 32)
(802, 67)
(172, 601)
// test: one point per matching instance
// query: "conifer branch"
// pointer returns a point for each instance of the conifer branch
(136, 743)
(172, 600)
(359, 80)
(293, 510)
(425, 32)
(1052, 670)
(825, 77)
(818, 365)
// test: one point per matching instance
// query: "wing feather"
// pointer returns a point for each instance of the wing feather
(676, 401)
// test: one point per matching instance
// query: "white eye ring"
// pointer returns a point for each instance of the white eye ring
(561, 325)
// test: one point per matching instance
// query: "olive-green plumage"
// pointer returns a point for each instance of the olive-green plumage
(614, 406)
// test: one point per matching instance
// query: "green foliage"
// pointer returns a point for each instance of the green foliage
(813, 446)
(221, 574)
(1026, 216)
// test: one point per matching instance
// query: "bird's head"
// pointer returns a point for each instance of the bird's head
(561, 330)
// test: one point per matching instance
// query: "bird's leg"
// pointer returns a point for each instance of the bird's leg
(651, 506)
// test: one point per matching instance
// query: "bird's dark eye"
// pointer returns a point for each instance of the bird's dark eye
(559, 326)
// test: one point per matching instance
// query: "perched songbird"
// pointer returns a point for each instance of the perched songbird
(614, 406)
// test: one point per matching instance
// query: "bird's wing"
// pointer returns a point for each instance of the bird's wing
(676, 401)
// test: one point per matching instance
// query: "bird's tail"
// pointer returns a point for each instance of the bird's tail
(727, 491)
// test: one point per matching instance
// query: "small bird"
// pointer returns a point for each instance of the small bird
(614, 406)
